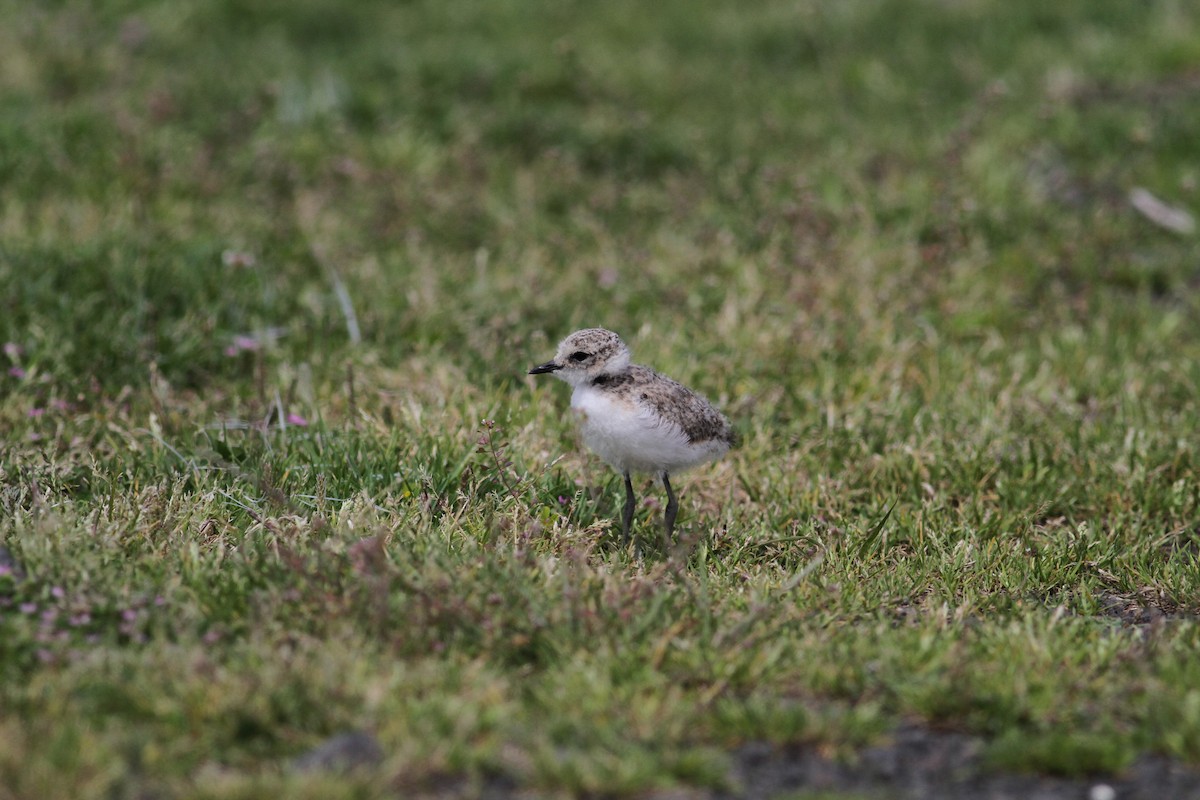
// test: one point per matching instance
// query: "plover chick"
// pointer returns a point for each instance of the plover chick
(634, 418)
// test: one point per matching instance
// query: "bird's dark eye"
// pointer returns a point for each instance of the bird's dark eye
(578, 356)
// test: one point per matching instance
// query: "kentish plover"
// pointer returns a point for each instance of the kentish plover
(634, 418)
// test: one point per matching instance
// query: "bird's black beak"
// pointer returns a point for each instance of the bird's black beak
(542, 369)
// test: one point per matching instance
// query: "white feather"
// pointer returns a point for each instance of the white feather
(633, 437)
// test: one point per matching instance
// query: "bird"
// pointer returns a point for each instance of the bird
(635, 419)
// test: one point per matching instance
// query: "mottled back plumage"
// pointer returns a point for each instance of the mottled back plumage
(672, 401)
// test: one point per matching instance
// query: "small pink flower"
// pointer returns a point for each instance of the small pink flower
(36, 412)
(129, 615)
(13, 350)
(16, 372)
(243, 343)
(297, 420)
(28, 608)
(58, 404)
(57, 592)
(608, 278)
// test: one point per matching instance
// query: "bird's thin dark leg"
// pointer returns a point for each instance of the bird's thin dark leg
(672, 510)
(627, 517)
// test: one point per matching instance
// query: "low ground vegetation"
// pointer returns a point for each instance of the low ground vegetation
(271, 471)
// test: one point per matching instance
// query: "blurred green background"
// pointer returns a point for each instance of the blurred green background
(478, 172)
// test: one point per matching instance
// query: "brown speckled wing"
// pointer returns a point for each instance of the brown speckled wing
(674, 401)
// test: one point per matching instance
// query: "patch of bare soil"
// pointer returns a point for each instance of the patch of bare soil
(921, 763)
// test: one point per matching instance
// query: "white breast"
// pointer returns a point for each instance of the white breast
(633, 437)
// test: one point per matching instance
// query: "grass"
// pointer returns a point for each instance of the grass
(270, 466)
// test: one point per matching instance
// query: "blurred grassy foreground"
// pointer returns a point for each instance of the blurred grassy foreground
(266, 268)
